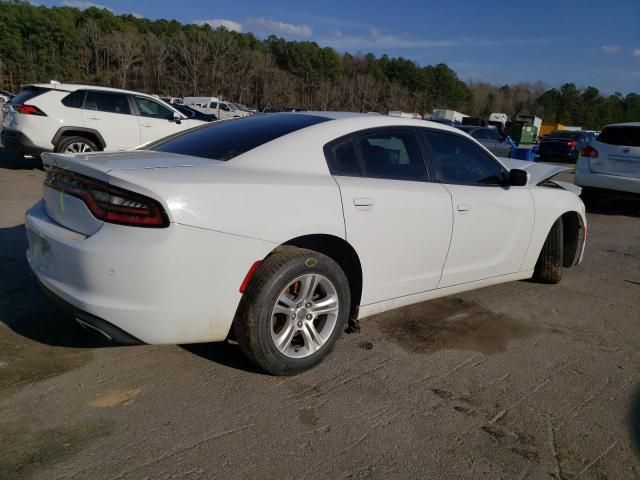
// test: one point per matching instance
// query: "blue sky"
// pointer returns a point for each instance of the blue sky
(588, 42)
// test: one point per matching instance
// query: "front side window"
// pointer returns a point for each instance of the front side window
(224, 106)
(149, 108)
(392, 154)
(213, 105)
(457, 160)
(107, 102)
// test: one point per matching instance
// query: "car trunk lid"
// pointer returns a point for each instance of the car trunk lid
(72, 212)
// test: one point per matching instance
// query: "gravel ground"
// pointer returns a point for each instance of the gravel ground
(515, 381)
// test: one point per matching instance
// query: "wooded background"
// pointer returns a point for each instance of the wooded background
(95, 46)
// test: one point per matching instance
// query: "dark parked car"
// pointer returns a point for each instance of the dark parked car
(564, 145)
(490, 138)
(195, 114)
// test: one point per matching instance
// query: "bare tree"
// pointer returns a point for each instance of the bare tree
(191, 50)
(126, 49)
(156, 54)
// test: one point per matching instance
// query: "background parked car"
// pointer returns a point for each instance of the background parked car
(211, 105)
(195, 114)
(564, 145)
(490, 138)
(612, 161)
(5, 96)
(82, 118)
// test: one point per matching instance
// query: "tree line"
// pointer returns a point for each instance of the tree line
(169, 58)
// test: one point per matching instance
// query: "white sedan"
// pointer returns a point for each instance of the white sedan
(612, 161)
(278, 230)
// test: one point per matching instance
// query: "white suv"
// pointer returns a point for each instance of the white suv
(82, 118)
(612, 161)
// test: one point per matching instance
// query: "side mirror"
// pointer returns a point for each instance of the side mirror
(517, 177)
(176, 118)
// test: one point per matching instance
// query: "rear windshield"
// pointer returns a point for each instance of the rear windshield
(228, 139)
(26, 95)
(627, 136)
(571, 135)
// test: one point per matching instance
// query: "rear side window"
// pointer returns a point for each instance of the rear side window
(107, 102)
(392, 154)
(26, 95)
(228, 139)
(74, 100)
(342, 158)
(627, 136)
(457, 160)
(493, 135)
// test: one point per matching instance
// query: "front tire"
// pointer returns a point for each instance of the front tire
(548, 268)
(76, 144)
(293, 311)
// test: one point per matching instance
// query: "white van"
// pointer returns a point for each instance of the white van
(220, 108)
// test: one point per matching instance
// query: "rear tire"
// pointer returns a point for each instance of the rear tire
(76, 144)
(279, 326)
(548, 268)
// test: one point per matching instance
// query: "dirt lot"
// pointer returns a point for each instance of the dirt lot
(515, 381)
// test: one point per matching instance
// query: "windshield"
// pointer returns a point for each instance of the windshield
(228, 139)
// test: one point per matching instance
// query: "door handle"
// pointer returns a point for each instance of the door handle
(145, 124)
(464, 207)
(363, 203)
(93, 117)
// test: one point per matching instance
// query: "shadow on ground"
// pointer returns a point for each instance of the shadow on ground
(634, 421)
(12, 161)
(611, 203)
(224, 353)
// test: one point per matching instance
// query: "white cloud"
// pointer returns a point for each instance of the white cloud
(379, 40)
(134, 14)
(609, 49)
(83, 5)
(269, 25)
(636, 52)
(221, 22)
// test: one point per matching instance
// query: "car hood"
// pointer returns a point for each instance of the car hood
(540, 173)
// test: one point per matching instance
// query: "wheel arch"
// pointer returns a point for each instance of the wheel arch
(70, 131)
(343, 254)
(574, 235)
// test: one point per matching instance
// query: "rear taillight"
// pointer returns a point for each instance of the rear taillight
(589, 152)
(572, 144)
(29, 110)
(107, 203)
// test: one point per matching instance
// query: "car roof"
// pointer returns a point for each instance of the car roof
(625, 124)
(72, 87)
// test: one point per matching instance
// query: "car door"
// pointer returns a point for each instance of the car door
(156, 120)
(109, 113)
(492, 222)
(395, 218)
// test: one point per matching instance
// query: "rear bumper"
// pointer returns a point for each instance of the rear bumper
(586, 178)
(18, 142)
(92, 323)
(160, 286)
